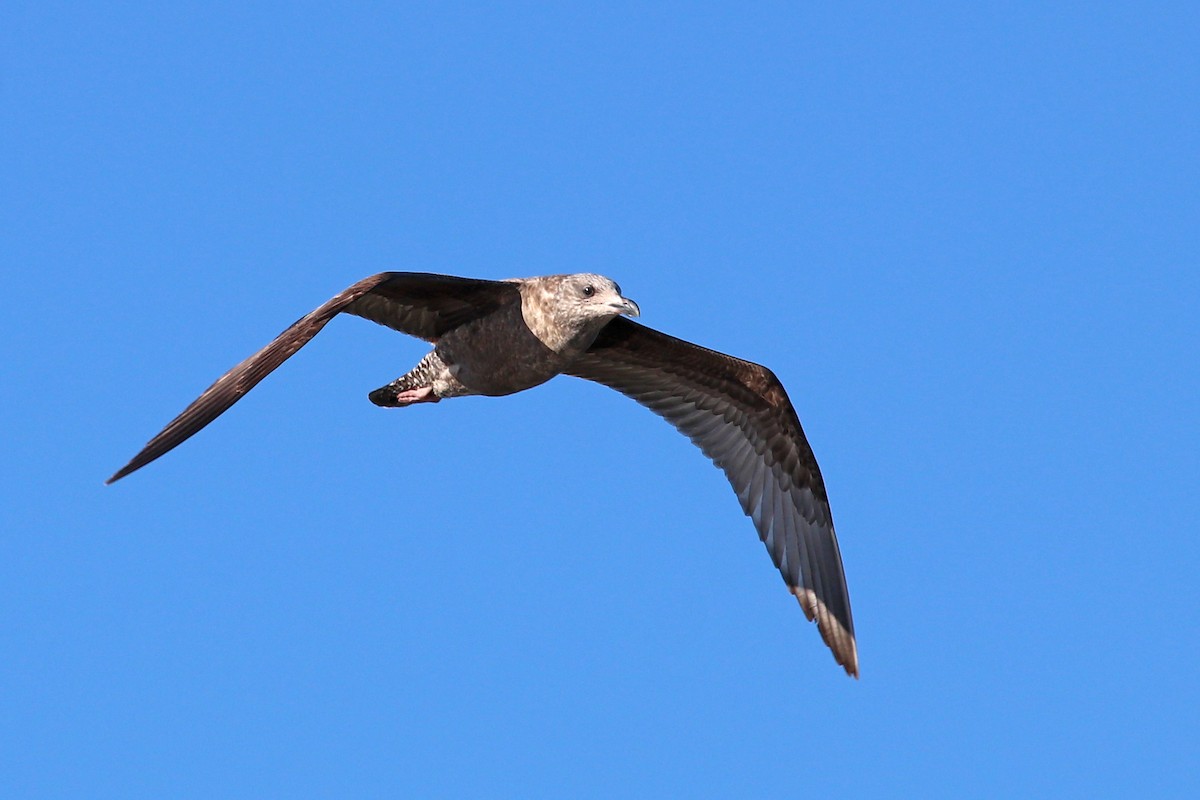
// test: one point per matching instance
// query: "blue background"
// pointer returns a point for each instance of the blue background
(964, 235)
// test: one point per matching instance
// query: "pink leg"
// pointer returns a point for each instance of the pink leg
(423, 394)
(388, 397)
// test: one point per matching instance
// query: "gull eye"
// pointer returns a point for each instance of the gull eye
(589, 290)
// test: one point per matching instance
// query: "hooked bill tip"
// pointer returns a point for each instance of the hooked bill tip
(629, 307)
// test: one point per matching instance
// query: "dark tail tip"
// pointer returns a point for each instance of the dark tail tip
(384, 396)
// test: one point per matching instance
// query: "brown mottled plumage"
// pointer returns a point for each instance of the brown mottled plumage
(500, 337)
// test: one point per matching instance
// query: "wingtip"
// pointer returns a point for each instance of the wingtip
(849, 657)
(838, 639)
(849, 660)
(116, 476)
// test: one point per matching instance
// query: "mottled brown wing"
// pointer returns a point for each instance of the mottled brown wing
(415, 303)
(740, 416)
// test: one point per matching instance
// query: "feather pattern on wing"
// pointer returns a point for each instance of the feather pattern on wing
(738, 413)
(419, 304)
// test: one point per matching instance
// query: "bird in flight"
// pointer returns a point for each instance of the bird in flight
(499, 337)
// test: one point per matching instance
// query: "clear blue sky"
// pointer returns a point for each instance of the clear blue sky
(965, 236)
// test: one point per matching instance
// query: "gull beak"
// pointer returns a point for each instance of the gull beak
(626, 306)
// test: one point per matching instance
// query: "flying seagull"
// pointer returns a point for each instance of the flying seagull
(499, 337)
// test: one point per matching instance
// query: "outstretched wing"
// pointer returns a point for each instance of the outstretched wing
(419, 304)
(738, 413)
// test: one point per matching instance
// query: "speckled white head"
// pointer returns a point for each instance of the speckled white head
(594, 295)
(567, 311)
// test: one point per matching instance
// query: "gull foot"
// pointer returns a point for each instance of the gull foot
(390, 398)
